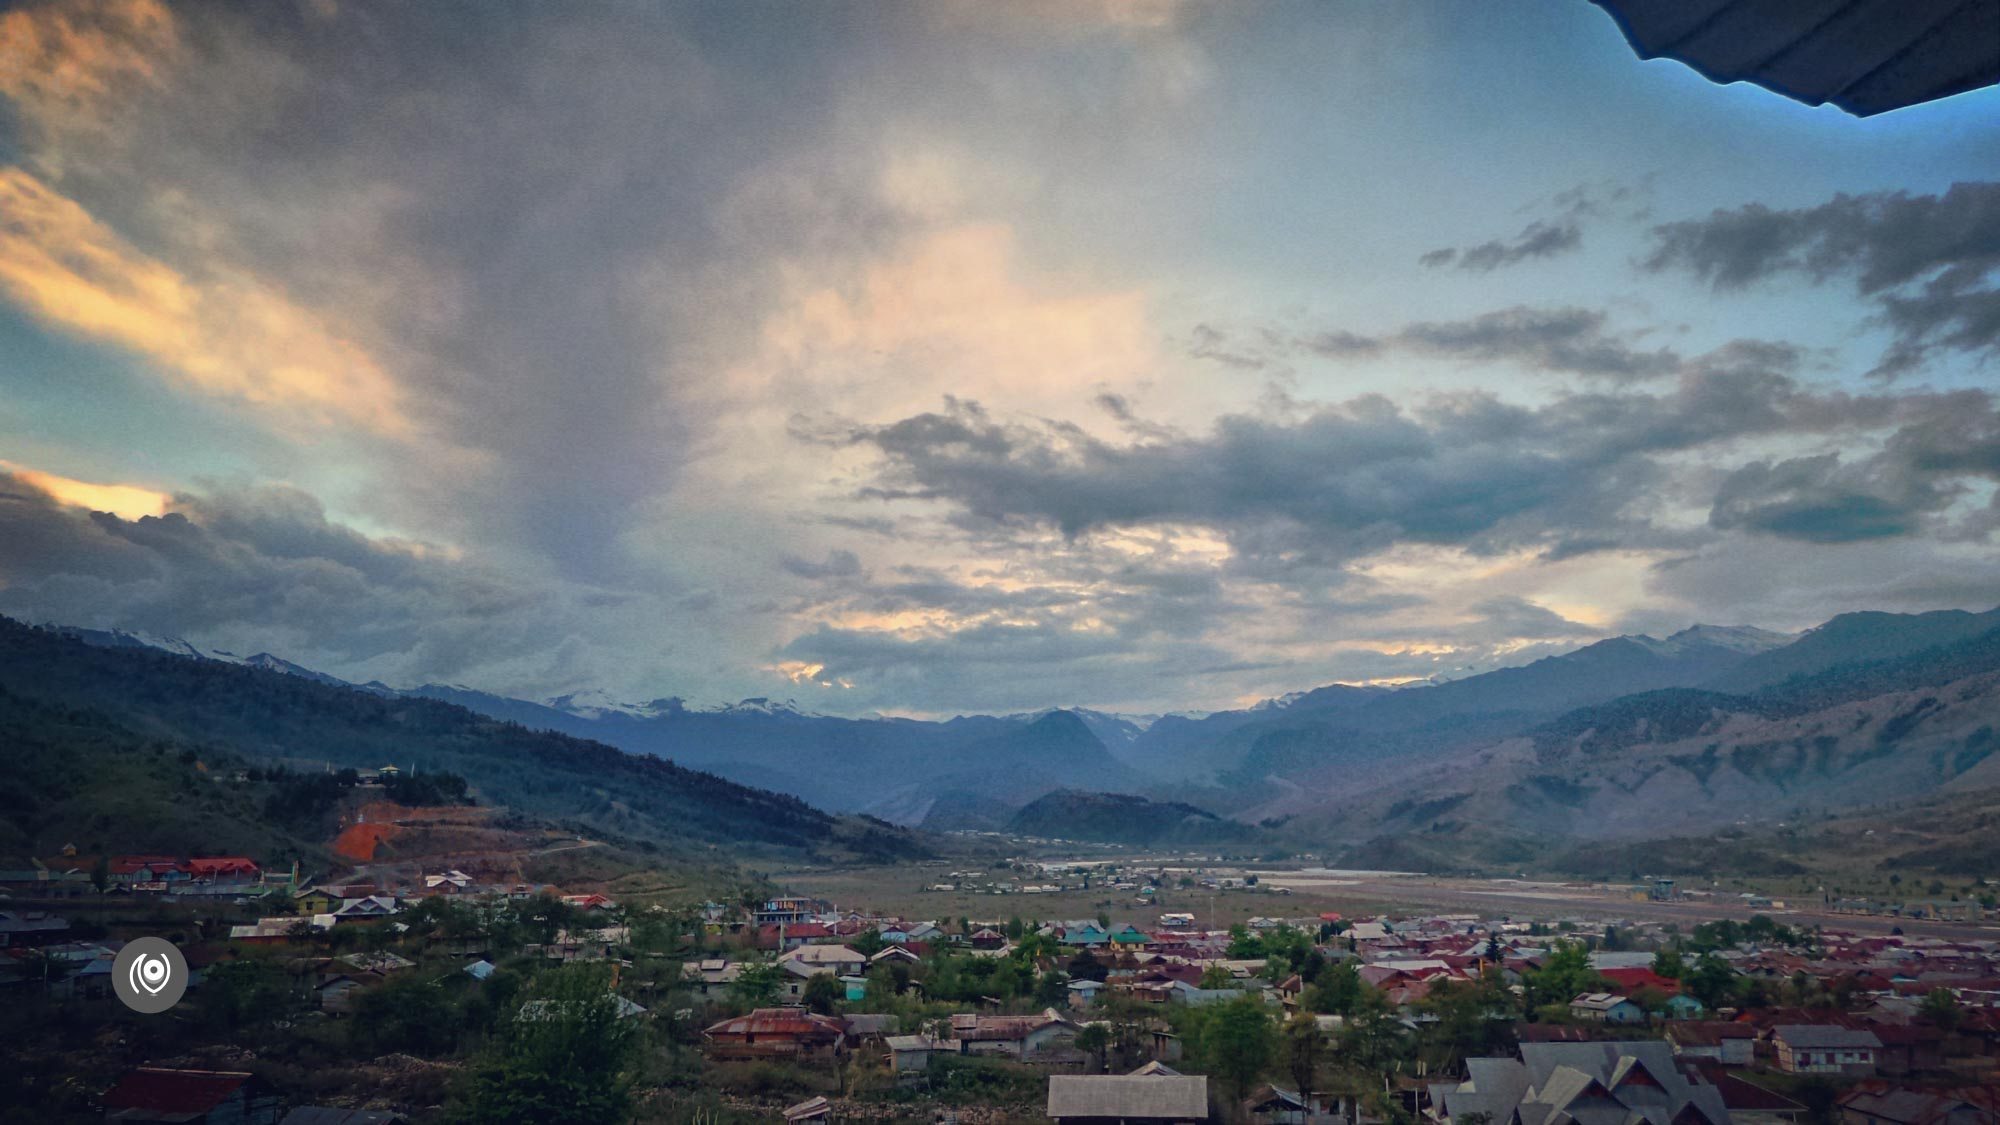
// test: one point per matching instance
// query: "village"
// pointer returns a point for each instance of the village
(791, 1006)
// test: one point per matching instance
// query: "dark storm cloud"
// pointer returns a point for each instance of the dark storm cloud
(1572, 340)
(1587, 471)
(264, 569)
(1927, 261)
(536, 220)
(1561, 339)
(1539, 239)
(1819, 500)
(837, 564)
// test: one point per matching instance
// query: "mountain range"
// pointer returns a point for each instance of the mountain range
(1627, 738)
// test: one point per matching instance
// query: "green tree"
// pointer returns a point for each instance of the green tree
(1941, 1008)
(1668, 963)
(756, 985)
(1564, 976)
(1471, 1017)
(1238, 1043)
(1337, 991)
(565, 1060)
(405, 1015)
(100, 874)
(1052, 988)
(1095, 1040)
(1302, 1053)
(1711, 981)
(1215, 977)
(822, 993)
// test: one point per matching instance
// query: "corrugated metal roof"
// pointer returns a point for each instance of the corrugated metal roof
(1163, 1097)
(158, 1090)
(1865, 56)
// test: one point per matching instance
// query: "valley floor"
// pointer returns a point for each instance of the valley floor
(901, 890)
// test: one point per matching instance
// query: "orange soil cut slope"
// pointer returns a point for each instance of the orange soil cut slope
(357, 842)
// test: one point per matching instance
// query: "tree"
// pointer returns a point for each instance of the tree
(1052, 988)
(1216, 977)
(1564, 976)
(1337, 990)
(756, 985)
(822, 993)
(1094, 1040)
(1470, 1017)
(1668, 963)
(1302, 1051)
(1711, 981)
(1238, 1043)
(405, 1015)
(1940, 1006)
(566, 1062)
(100, 874)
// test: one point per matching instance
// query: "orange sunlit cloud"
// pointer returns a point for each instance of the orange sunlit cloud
(231, 337)
(64, 65)
(126, 501)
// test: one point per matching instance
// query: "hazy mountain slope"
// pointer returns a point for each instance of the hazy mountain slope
(1856, 638)
(1007, 769)
(1069, 814)
(1373, 729)
(1680, 762)
(75, 777)
(263, 715)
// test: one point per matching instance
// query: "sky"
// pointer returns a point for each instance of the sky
(965, 356)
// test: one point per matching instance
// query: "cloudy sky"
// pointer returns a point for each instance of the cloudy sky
(966, 355)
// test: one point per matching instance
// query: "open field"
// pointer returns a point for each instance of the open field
(900, 890)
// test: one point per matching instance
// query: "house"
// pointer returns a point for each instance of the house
(1275, 1105)
(1749, 1103)
(1681, 1006)
(1047, 1037)
(1085, 934)
(148, 869)
(1581, 1082)
(912, 1054)
(589, 902)
(200, 1097)
(1903, 1106)
(329, 1115)
(535, 1010)
(314, 900)
(783, 910)
(776, 1033)
(337, 995)
(1130, 936)
(812, 1109)
(448, 883)
(1128, 1099)
(277, 931)
(372, 906)
(30, 927)
(896, 953)
(1728, 1043)
(233, 869)
(1606, 1007)
(836, 959)
(987, 939)
(710, 977)
(480, 970)
(1824, 1049)
(1083, 993)
(381, 964)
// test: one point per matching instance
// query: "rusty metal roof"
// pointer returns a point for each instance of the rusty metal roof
(1865, 56)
